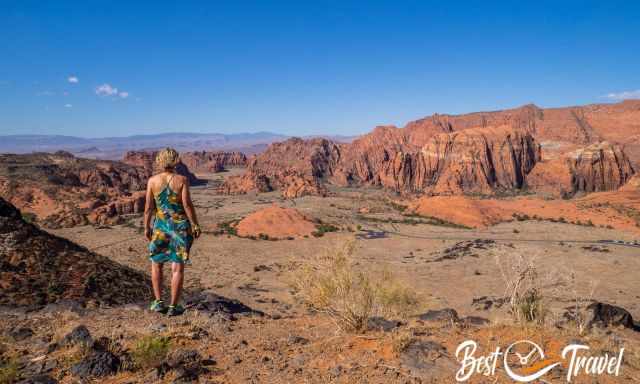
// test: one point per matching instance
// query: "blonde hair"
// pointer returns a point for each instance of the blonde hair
(168, 158)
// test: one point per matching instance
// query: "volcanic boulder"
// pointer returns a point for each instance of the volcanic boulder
(37, 268)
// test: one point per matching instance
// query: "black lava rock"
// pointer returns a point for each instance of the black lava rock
(96, 364)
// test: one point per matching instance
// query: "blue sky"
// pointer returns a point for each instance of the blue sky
(302, 67)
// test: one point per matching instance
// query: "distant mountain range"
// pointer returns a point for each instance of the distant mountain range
(115, 147)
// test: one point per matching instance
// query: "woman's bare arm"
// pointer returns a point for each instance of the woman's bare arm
(189, 209)
(149, 207)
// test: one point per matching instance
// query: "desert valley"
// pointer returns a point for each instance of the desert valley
(367, 260)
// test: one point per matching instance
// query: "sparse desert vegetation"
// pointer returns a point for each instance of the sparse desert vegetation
(331, 284)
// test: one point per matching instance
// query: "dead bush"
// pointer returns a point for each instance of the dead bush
(523, 287)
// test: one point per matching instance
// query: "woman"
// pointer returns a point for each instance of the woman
(174, 228)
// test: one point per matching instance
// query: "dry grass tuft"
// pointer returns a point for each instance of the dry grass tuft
(330, 284)
(400, 340)
(150, 351)
(9, 370)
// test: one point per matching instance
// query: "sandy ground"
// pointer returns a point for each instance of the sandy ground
(258, 271)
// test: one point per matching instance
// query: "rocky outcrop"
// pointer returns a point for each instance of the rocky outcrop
(599, 167)
(367, 156)
(295, 166)
(470, 161)
(60, 190)
(594, 168)
(482, 152)
(479, 160)
(127, 205)
(203, 161)
(146, 160)
(37, 268)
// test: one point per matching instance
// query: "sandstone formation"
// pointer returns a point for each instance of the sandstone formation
(62, 190)
(295, 166)
(633, 185)
(470, 161)
(276, 223)
(559, 151)
(599, 167)
(37, 268)
(127, 205)
(218, 161)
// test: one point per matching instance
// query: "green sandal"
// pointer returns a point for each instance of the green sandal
(175, 310)
(158, 306)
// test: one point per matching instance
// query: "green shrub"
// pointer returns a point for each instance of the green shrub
(322, 228)
(228, 227)
(29, 217)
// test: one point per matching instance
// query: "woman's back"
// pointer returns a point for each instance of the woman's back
(167, 193)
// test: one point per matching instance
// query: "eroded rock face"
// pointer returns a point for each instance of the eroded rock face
(37, 268)
(295, 166)
(468, 161)
(483, 152)
(599, 167)
(127, 205)
(473, 160)
(594, 168)
(202, 161)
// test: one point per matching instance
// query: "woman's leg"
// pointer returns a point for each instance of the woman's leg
(176, 282)
(156, 279)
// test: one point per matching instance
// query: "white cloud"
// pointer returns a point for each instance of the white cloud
(624, 95)
(123, 95)
(73, 79)
(68, 105)
(106, 90)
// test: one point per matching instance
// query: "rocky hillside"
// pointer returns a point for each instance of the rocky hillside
(566, 151)
(62, 190)
(37, 268)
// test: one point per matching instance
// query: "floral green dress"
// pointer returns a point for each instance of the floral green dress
(172, 236)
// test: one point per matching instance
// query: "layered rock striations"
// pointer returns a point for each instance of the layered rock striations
(558, 150)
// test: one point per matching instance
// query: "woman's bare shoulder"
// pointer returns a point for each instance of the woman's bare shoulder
(153, 179)
(181, 178)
